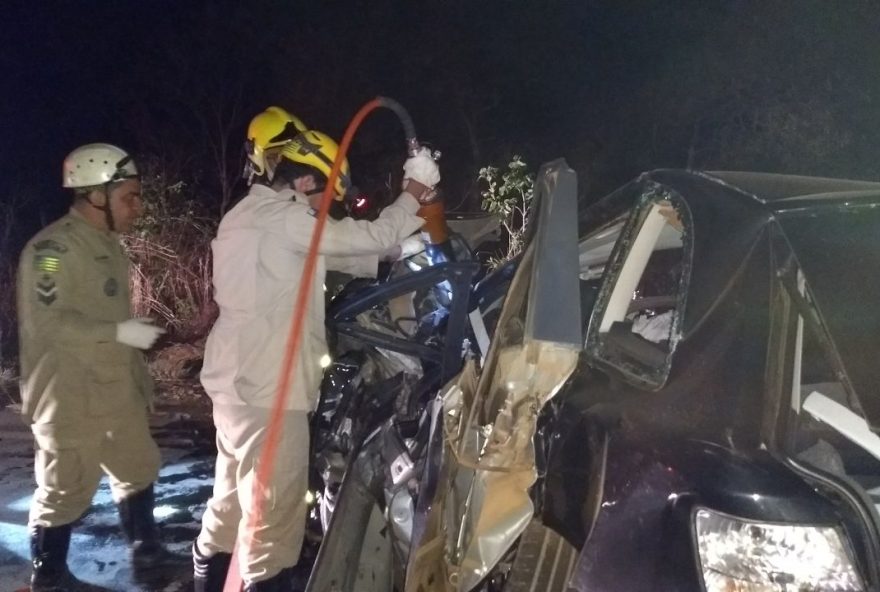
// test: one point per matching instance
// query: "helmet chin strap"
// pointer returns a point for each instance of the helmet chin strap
(108, 214)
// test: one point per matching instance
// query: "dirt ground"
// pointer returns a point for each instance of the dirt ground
(182, 427)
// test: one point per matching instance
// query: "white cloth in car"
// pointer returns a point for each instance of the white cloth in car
(654, 328)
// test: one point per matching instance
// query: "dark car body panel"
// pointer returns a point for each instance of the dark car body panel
(642, 538)
(705, 438)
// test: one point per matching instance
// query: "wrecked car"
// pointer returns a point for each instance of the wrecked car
(679, 394)
(402, 360)
(718, 433)
(397, 339)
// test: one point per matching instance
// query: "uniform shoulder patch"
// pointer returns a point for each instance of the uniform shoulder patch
(47, 264)
(50, 245)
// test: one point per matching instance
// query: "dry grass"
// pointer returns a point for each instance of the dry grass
(171, 255)
(171, 280)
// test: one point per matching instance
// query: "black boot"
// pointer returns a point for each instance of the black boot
(209, 573)
(49, 546)
(148, 555)
(281, 582)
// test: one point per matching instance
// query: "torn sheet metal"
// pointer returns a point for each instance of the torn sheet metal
(427, 568)
(482, 503)
(530, 375)
(464, 537)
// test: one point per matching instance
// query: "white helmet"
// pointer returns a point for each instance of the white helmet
(97, 164)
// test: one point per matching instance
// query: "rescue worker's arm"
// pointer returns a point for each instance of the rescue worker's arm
(365, 266)
(356, 237)
(46, 290)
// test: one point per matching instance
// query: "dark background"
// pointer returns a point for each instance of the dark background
(616, 87)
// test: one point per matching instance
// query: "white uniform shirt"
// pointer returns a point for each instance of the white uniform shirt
(259, 255)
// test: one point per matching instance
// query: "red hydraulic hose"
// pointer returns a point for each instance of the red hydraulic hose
(294, 339)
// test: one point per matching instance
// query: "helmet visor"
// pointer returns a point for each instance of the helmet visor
(287, 134)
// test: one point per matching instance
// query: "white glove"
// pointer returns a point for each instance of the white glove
(411, 245)
(422, 168)
(139, 333)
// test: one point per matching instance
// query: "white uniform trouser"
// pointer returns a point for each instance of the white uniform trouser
(276, 543)
(69, 461)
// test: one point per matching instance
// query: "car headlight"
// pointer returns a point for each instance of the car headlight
(738, 555)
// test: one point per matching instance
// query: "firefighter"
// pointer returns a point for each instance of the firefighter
(259, 255)
(85, 386)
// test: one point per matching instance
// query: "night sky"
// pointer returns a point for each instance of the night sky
(615, 87)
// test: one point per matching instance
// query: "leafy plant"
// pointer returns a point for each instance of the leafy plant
(508, 194)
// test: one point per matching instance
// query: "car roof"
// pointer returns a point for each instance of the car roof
(831, 226)
(775, 189)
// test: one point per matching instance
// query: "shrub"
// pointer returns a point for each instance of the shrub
(508, 194)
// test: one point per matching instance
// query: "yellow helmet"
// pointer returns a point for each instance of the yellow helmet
(271, 129)
(318, 150)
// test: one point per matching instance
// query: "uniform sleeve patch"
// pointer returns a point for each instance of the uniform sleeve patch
(47, 263)
(50, 245)
(313, 212)
(46, 289)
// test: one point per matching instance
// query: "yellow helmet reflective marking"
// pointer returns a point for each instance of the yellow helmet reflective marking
(318, 150)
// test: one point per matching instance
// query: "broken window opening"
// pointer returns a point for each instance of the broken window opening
(829, 430)
(635, 325)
